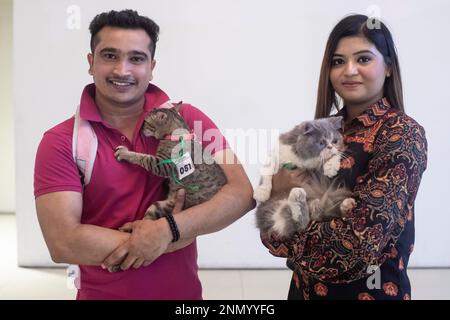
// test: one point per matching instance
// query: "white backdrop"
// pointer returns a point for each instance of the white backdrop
(248, 64)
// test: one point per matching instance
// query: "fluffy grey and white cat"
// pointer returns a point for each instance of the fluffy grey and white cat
(315, 147)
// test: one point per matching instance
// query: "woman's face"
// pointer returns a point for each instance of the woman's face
(358, 71)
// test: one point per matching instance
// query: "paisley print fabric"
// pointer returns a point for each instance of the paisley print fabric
(365, 255)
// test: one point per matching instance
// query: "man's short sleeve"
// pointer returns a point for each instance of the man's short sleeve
(55, 169)
(205, 129)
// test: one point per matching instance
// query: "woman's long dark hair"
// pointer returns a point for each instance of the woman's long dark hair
(377, 33)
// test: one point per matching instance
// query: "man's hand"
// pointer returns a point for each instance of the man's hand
(149, 239)
(180, 244)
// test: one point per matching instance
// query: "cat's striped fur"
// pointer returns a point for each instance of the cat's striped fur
(208, 176)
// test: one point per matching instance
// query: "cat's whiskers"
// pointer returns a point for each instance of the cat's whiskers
(343, 155)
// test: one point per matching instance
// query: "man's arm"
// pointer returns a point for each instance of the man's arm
(67, 239)
(228, 205)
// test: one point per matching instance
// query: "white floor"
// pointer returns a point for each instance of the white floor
(48, 283)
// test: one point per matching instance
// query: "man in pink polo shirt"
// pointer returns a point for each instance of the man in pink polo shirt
(80, 223)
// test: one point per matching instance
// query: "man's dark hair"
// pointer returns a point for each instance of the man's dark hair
(127, 19)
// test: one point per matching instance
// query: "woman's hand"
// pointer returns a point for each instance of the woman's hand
(284, 180)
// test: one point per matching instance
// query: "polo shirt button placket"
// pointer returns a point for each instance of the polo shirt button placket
(123, 138)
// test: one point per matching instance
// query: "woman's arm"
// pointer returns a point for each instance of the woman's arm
(342, 249)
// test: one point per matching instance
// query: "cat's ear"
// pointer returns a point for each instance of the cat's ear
(177, 106)
(160, 116)
(337, 122)
(305, 128)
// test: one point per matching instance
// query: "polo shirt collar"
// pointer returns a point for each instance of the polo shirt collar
(154, 97)
(372, 114)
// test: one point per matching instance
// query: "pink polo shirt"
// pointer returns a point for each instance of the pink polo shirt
(118, 193)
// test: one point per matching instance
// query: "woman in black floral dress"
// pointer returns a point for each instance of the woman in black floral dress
(364, 255)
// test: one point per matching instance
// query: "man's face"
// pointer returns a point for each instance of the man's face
(121, 66)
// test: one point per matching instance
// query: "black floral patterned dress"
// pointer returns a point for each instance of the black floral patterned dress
(364, 255)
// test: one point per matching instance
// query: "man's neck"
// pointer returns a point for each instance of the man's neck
(120, 116)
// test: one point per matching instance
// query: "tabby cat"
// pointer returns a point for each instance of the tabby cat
(315, 147)
(207, 177)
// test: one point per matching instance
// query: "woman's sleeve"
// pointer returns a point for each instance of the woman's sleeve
(277, 247)
(342, 249)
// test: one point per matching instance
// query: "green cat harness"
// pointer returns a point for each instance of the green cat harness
(289, 166)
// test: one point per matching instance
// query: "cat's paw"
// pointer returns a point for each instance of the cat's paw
(347, 205)
(332, 166)
(120, 153)
(299, 208)
(261, 194)
(297, 195)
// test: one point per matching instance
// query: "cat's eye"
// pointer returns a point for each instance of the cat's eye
(335, 140)
(321, 143)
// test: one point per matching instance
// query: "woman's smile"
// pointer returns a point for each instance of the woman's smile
(351, 84)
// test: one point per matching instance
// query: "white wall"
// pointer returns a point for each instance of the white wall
(7, 181)
(248, 64)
